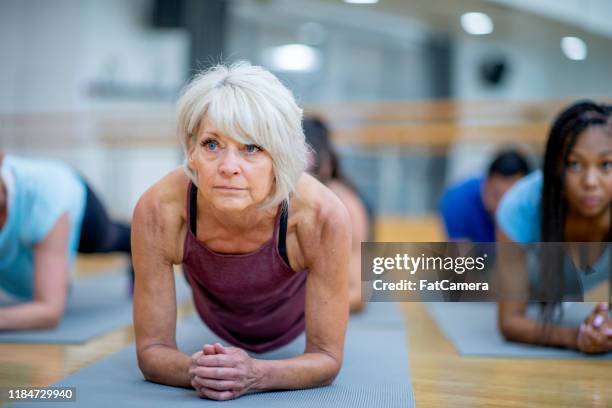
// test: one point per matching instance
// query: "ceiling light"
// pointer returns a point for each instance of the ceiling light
(293, 57)
(477, 23)
(574, 48)
(361, 1)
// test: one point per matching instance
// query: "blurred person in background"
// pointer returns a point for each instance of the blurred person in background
(568, 201)
(325, 166)
(468, 208)
(48, 213)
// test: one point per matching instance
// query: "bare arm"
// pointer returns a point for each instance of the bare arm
(154, 249)
(51, 277)
(512, 320)
(326, 310)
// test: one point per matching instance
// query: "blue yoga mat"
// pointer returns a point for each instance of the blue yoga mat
(96, 305)
(379, 315)
(472, 328)
(375, 373)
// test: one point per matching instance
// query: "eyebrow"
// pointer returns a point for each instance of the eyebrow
(604, 153)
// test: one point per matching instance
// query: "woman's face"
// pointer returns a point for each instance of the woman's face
(231, 176)
(588, 174)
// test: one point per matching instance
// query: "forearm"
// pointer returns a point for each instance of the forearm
(165, 365)
(30, 315)
(530, 331)
(304, 371)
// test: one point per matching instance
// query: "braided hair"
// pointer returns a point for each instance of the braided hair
(564, 133)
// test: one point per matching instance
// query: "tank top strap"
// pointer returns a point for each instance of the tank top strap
(282, 230)
(192, 196)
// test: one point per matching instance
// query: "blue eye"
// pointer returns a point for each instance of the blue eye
(251, 148)
(606, 165)
(210, 144)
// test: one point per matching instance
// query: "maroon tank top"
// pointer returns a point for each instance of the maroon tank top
(255, 300)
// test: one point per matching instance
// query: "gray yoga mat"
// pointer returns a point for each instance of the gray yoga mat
(374, 374)
(472, 328)
(96, 305)
(379, 315)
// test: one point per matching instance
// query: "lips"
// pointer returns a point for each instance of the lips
(229, 188)
(591, 201)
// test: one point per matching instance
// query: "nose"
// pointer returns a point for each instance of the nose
(591, 178)
(230, 163)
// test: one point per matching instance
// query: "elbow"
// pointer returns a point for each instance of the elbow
(506, 332)
(149, 376)
(332, 376)
(356, 305)
(330, 380)
(334, 370)
(51, 319)
(53, 322)
(507, 329)
(147, 370)
(149, 365)
(510, 322)
(146, 367)
(49, 323)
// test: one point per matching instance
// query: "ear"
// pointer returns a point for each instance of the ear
(191, 149)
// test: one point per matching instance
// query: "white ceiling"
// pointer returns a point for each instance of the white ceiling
(590, 15)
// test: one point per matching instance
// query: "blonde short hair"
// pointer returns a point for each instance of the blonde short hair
(250, 105)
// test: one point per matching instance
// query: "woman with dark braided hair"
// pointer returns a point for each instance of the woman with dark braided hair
(569, 201)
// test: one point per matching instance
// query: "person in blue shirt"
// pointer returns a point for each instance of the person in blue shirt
(468, 208)
(47, 214)
(569, 201)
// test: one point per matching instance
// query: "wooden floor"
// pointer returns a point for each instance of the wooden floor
(443, 378)
(440, 376)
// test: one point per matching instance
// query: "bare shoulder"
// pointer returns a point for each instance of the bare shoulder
(318, 213)
(160, 215)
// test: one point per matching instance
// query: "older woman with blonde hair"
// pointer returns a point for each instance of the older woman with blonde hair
(263, 245)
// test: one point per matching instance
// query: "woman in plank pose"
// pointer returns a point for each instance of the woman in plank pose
(263, 245)
(568, 201)
(48, 213)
